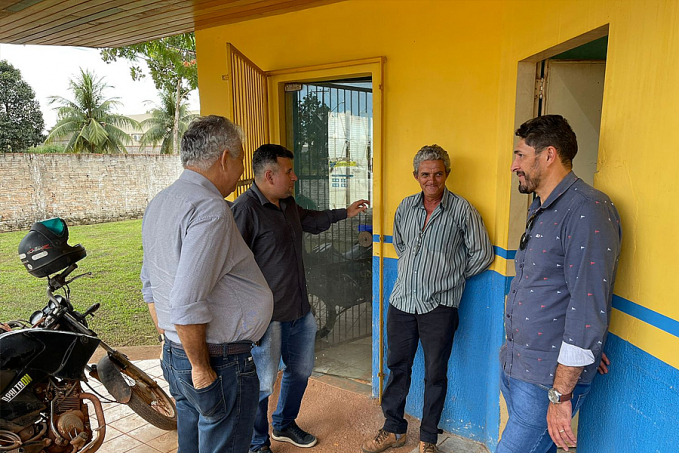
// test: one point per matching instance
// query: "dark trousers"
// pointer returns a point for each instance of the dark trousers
(435, 330)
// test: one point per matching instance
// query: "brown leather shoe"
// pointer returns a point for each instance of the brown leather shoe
(426, 447)
(382, 441)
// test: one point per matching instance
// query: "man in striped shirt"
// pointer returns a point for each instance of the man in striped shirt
(441, 241)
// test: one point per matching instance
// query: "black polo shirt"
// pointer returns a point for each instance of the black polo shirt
(275, 237)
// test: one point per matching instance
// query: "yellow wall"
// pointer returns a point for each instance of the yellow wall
(450, 78)
(416, 113)
(637, 161)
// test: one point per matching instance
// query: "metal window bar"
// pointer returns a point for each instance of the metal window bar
(339, 272)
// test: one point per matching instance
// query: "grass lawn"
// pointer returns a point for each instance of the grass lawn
(114, 256)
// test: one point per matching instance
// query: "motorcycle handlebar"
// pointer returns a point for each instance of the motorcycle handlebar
(59, 280)
(78, 326)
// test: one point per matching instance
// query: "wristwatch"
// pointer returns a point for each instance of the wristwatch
(556, 397)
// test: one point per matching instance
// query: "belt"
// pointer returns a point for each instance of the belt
(221, 349)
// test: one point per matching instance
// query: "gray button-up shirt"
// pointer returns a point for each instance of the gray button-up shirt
(434, 261)
(197, 269)
(559, 304)
(275, 236)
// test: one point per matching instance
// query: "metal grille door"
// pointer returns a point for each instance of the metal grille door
(332, 142)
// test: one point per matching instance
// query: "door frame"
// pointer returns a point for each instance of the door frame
(373, 67)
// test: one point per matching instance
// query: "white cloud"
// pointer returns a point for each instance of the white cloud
(47, 70)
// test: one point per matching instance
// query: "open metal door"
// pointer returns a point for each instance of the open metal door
(248, 107)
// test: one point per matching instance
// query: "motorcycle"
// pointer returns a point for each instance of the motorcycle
(338, 281)
(43, 406)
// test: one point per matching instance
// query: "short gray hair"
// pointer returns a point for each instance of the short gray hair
(431, 152)
(206, 139)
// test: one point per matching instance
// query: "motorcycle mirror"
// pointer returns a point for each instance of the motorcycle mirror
(35, 317)
(92, 309)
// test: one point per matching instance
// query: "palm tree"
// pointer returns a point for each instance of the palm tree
(89, 121)
(160, 126)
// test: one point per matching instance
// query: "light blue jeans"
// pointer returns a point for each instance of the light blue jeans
(292, 342)
(526, 430)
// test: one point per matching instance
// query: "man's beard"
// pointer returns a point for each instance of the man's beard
(530, 183)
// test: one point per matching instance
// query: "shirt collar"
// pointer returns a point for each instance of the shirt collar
(559, 190)
(196, 178)
(445, 201)
(258, 193)
(263, 200)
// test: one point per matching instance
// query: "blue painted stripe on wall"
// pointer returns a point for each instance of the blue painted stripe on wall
(499, 251)
(506, 254)
(387, 239)
(651, 317)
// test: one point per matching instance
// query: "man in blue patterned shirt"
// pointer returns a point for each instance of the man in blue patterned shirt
(441, 241)
(558, 308)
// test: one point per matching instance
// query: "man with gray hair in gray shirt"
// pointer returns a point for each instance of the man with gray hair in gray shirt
(206, 293)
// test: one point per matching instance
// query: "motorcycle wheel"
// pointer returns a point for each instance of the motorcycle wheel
(149, 400)
(324, 314)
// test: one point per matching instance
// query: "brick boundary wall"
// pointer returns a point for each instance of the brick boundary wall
(80, 188)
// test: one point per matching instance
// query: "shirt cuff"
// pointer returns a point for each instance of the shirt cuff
(147, 294)
(574, 356)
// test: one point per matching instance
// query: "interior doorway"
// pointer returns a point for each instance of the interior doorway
(330, 130)
(574, 88)
(567, 80)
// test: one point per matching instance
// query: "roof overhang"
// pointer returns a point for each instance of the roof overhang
(116, 23)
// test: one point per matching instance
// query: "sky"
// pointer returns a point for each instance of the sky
(47, 69)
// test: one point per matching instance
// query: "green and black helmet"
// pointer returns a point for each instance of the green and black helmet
(45, 250)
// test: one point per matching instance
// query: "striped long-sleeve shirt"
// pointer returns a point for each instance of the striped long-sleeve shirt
(434, 261)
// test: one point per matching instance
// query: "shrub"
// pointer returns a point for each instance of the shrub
(52, 148)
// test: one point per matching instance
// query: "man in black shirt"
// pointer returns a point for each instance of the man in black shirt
(272, 224)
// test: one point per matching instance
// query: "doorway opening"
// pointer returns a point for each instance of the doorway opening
(573, 86)
(329, 128)
(567, 80)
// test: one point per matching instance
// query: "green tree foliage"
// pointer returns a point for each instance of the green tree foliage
(313, 132)
(169, 60)
(21, 121)
(160, 126)
(172, 65)
(89, 120)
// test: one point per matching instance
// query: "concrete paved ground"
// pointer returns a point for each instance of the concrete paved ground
(338, 411)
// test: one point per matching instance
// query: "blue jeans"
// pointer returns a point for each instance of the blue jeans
(293, 342)
(526, 430)
(219, 417)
